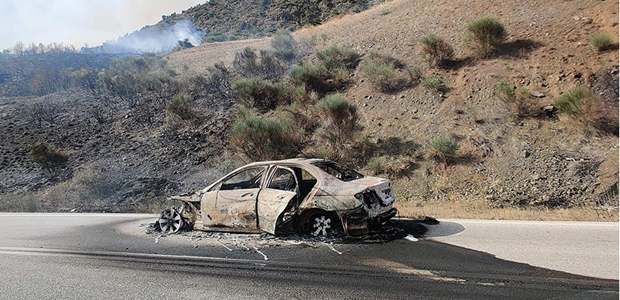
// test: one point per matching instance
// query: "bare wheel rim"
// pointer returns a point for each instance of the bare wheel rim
(321, 225)
(170, 221)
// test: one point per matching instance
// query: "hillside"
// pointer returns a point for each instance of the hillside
(237, 19)
(543, 165)
(547, 52)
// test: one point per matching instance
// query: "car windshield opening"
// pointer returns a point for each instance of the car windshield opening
(338, 171)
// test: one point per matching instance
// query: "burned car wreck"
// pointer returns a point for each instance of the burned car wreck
(312, 196)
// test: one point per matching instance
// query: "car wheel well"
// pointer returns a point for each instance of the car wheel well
(306, 219)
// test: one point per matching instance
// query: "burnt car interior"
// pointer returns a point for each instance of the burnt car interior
(338, 171)
(306, 182)
(284, 180)
(247, 179)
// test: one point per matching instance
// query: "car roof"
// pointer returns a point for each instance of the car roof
(295, 161)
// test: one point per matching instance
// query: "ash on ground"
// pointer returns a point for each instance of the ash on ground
(393, 230)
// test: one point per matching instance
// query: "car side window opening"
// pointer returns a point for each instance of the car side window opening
(283, 180)
(306, 182)
(338, 171)
(246, 179)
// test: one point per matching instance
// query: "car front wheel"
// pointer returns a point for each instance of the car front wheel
(170, 221)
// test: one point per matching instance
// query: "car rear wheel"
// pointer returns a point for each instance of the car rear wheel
(170, 221)
(322, 224)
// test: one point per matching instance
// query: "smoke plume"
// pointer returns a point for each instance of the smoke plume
(154, 40)
(78, 21)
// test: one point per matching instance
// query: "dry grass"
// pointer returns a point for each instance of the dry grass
(478, 210)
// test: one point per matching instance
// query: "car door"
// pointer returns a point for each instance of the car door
(233, 204)
(281, 189)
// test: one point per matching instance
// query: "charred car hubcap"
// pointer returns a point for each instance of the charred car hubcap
(170, 221)
(322, 226)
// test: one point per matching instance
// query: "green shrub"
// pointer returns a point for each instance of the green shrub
(385, 12)
(601, 41)
(181, 107)
(48, 157)
(518, 100)
(285, 46)
(339, 125)
(339, 111)
(485, 34)
(434, 83)
(261, 138)
(337, 57)
(261, 94)
(443, 148)
(385, 73)
(436, 50)
(375, 165)
(314, 77)
(266, 66)
(579, 104)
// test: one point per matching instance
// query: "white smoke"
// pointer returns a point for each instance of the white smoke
(154, 40)
(80, 21)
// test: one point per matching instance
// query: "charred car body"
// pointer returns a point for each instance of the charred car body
(313, 196)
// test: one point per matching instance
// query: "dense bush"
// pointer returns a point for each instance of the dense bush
(485, 34)
(181, 107)
(436, 50)
(284, 46)
(339, 112)
(314, 77)
(442, 149)
(48, 157)
(516, 99)
(337, 57)
(386, 74)
(601, 41)
(262, 138)
(339, 124)
(261, 94)
(265, 66)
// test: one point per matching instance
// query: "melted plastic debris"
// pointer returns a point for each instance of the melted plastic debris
(396, 229)
(411, 238)
(261, 253)
(331, 247)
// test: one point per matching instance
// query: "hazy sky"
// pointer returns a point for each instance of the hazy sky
(79, 21)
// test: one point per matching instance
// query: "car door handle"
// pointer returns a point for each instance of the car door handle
(247, 195)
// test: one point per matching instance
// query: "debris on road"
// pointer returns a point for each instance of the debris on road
(411, 238)
(331, 247)
(261, 253)
(410, 230)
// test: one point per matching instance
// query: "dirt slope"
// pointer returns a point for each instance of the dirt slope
(537, 161)
(542, 161)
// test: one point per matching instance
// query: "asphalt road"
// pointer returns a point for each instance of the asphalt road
(82, 256)
(584, 248)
